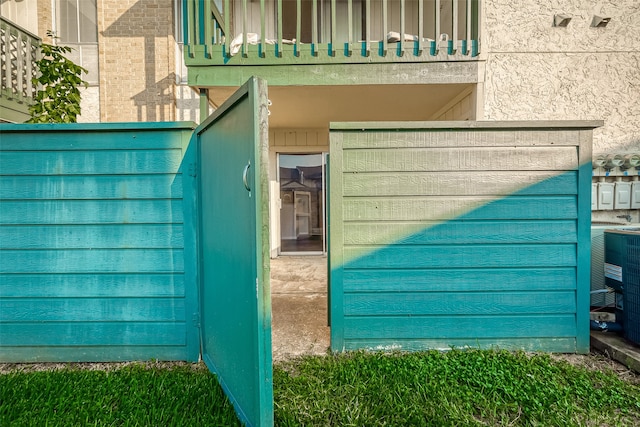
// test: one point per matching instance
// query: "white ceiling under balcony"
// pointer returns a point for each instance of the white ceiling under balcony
(317, 106)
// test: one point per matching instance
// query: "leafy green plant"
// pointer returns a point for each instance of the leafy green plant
(57, 99)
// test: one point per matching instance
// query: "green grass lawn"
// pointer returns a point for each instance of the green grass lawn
(354, 389)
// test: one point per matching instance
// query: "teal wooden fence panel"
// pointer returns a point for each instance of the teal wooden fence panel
(97, 242)
(460, 234)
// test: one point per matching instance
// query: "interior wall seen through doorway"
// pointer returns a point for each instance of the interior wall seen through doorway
(291, 141)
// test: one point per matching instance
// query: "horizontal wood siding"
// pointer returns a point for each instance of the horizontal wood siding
(70, 285)
(98, 187)
(470, 159)
(459, 279)
(442, 208)
(67, 212)
(87, 163)
(461, 183)
(459, 236)
(113, 236)
(96, 232)
(487, 232)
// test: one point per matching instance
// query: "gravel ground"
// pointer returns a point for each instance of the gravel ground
(6, 368)
(597, 361)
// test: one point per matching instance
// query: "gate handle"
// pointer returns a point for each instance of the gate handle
(244, 176)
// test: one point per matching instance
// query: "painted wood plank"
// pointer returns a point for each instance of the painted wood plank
(99, 353)
(95, 136)
(161, 186)
(435, 138)
(319, 55)
(452, 327)
(109, 236)
(458, 232)
(475, 126)
(64, 285)
(92, 334)
(92, 261)
(458, 303)
(191, 249)
(278, 137)
(335, 221)
(108, 162)
(550, 344)
(463, 256)
(461, 159)
(322, 70)
(473, 183)
(92, 309)
(583, 295)
(446, 208)
(437, 11)
(91, 212)
(460, 280)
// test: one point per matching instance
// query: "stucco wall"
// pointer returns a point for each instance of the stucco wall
(535, 71)
(89, 105)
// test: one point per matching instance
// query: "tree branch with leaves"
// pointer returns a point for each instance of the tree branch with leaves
(57, 99)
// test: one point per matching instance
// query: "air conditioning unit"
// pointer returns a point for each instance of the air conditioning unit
(622, 272)
(597, 266)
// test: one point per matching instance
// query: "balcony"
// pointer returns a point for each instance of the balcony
(262, 33)
(18, 53)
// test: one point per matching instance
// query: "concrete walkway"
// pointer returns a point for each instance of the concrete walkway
(299, 306)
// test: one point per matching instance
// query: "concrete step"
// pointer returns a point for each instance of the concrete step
(617, 348)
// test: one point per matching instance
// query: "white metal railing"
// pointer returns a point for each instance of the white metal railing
(331, 30)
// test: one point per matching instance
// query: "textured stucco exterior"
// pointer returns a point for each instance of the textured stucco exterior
(89, 105)
(535, 71)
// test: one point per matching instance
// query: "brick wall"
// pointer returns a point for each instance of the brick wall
(136, 49)
(45, 20)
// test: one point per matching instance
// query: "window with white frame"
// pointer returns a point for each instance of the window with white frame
(181, 68)
(76, 27)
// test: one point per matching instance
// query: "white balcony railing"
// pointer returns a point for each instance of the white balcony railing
(18, 54)
(249, 32)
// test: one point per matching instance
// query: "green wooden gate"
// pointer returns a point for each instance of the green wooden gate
(234, 243)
